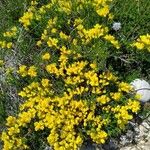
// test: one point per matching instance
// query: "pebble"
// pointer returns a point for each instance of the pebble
(146, 125)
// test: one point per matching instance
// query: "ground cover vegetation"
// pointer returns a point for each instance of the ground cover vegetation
(65, 72)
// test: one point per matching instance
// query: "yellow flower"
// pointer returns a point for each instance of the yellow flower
(116, 96)
(51, 68)
(9, 45)
(22, 94)
(63, 36)
(111, 39)
(125, 87)
(10, 33)
(93, 65)
(79, 140)
(22, 70)
(38, 126)
(46, 56)
(143, 42)
(3, 44)
(103, 11)
(110, 16)
(134, 105)
(32, 71)
(26, 19)
(54, 30)
(39, 43)
(65, 6)
(45, 82)
(1, 62)
(11, 121)
(98, 137)
(13, 130)
(139, 45)
(52, 42)
(14, 29)
(103, 99)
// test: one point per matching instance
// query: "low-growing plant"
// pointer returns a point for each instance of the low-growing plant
(70, 93)
(84, 105)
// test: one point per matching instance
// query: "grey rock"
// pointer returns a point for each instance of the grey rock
(88, 146)
(111, 145)
(48, 148)
(146, 125)
(124, 140)
(116, 26)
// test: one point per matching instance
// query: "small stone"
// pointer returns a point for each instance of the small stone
(111, 145)
(133, 124)
(88, 146)
(137, 139)
(143, 130)
(124, 140)
(116, 26)
(99, 147)
(148, 119)
(137, 130)
(128, 148)
(48, 148)
(129, 134)
(142, 88)
(141, 142)
(146, 125)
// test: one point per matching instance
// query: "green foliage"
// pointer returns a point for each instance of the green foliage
(126, 62)
(2, 109)
(10, 12)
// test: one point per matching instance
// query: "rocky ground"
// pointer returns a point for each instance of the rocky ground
(139, 138)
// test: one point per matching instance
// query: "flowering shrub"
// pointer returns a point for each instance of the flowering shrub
(88, 105)
(68, 98)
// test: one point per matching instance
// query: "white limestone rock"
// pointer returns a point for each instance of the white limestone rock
(142, 88)
(116, 26)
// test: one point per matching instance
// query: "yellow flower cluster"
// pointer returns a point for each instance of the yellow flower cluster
(11, 33)
(53, 33)
(1, 62)
(69, 99)
(34, 13)
(143, 42)
(122, 112)
(26, 19)
(111, 39)
(125, 87)
(102, 7)
(65, 6)
(50, 28)
(42, 10)
(93, 33)
(63, 115)
(46, 56)
(29, 15)
(64, 36)
(23, 71)
(5, 44)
